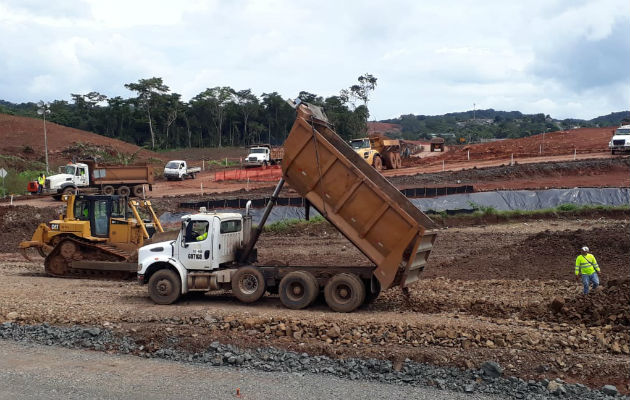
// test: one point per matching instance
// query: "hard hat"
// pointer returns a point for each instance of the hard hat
(584, 248)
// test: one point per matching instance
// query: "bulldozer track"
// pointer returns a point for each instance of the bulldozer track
(69, 249)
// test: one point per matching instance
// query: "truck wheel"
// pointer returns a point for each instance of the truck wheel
(192, 176)
(164, 287)
(377, 163)
(137, 190)
(68, 190)
(370, 295)
(123, 191)
(109, 190)
(248, 284)
(298, 289)
(398, 160)
(344, 292)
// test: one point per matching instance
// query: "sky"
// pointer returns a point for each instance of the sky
(565, 58)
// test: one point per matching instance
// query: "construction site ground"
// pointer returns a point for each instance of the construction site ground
(503, 292)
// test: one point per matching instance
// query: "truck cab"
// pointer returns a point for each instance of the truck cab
(258, 156)
(620, 141)
(206, 242)
(71, 177)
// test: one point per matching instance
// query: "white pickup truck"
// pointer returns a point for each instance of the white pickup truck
(620, 140)
(179, 170)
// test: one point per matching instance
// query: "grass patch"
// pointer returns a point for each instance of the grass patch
(293, 224)
(563, 209)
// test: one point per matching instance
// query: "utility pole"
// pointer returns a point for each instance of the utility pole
(44, 108)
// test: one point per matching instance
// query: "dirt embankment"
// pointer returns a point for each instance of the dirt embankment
(555, 174)
(18, 223)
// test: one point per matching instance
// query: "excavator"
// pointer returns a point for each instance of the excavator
(97, 237)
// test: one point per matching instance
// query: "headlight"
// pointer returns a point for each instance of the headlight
(366, 154)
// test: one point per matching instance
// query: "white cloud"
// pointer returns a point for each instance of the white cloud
(429, 58)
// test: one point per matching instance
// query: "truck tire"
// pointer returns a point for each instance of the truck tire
(248, 284)
(371, 294)
(164, 287)
(192, 176)
(123, 191)
(398, 160)
(137, 190)
(390, 160)
(109, 190)
(344, 292)
(68, 190)
(377, 163)
(298, 289)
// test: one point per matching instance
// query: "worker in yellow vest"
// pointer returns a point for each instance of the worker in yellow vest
(586, 268)
(41, 180)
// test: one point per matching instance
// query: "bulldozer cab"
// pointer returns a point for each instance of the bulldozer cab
(100, 212)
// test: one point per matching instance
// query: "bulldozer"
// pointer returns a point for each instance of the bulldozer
(97, 237)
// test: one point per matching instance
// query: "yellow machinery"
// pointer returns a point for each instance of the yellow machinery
(97, 237)
(379, 152)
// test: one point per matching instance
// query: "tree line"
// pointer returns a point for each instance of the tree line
(157, 118)
(484, 124)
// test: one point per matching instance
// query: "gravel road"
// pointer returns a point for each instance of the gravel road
(30, 371)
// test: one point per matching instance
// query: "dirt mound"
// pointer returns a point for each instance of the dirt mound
(605, 306)
(541, 256)
(18, 223)
(23, 137)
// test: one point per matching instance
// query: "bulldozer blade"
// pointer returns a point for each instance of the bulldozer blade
(162, 237)
(23, 252)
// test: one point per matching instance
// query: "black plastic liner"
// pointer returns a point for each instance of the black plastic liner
(502, 200)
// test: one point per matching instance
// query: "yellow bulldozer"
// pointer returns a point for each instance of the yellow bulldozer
(98, 236)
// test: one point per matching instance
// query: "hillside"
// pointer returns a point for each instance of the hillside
(24, 138)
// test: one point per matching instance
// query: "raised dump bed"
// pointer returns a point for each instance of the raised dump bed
(356, 199)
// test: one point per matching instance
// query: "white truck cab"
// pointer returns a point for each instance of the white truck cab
(203, 257)
(258, 156)
(71, 176)
(620, 140)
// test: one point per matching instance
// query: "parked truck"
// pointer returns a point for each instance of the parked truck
(179, 170)
(217, 250)
(379, 152)
(124, 180)
(620, 141)
(264, 155)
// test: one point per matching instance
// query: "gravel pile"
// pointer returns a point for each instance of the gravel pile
(488, 379)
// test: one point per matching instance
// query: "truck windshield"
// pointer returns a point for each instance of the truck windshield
(172, 165)
(69, 169)
(360, 144)
(623, 131)
(259, 150)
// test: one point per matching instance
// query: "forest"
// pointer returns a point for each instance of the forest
(157, 118)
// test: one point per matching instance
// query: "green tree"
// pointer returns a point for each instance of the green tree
(149, 91)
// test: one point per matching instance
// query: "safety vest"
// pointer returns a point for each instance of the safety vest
(41, 180)
(586, 265)
(203, 236)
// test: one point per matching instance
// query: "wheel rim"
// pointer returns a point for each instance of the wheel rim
(342, 293)
(248, 284)
(164, 287)
(295, 291)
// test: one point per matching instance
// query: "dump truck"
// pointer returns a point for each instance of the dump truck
(620, 142)
(379, 152)
(124, 180)
(263, 155)
(437, 143)
(98, 236)
(217, 250)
